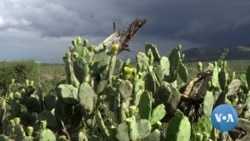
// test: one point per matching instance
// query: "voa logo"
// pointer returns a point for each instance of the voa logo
(224, 117)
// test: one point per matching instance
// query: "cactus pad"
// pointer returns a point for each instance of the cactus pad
(67, 93)
(179, 128)
(86, 96)
(154, 50)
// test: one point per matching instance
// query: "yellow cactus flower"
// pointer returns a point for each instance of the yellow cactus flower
(128, 70)
(116, 46)
(200, 64)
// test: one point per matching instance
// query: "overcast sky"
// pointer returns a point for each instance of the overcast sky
(43, 29)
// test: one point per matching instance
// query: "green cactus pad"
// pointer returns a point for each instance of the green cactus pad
(233, 87)
(100, 124)
(15, 109)
(46, 135)
(183, 73)
(157, 114)
(101, 61)
(154, 136)
(123, 132)
(150, 82)
(154, 50)
(49, 102)
(169, 96)
(86, 96)
(145, 105)
(179, 128)
(231, 90)
(67, 93)
(19, 132)
(111, 67)
(50, 118)
(137, 91)
(174, 60)
(101, 86)
(133, 130)
(208, 103)
(165, 64)
(62, 111)
(86, 55)
(141, 58)
(223, 76)
(203, 125)
(159, 72)
(244, 85)
(125, 89)
(118, 66)
(81, 69)
(215, 78)
(28, 118)
(143, 128)
(110, 102)
(138, 85)
(33, 104)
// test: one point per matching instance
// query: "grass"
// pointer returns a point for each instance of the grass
(50, 75)
(237, 66)
(56, 71)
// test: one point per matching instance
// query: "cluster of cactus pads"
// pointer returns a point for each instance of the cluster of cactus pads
(106, 98)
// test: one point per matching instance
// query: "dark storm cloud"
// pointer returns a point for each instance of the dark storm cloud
(200, 22)
(170, 22)
(196, 21)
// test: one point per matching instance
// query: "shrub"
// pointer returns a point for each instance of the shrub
(18, 70)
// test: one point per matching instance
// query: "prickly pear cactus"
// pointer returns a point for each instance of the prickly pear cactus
(202, 128)
(179, 128)
(133, 130)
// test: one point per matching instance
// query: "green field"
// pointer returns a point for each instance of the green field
(237, 66)
(48, 75)
(56, 71)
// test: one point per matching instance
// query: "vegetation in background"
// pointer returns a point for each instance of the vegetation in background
(18, 70)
